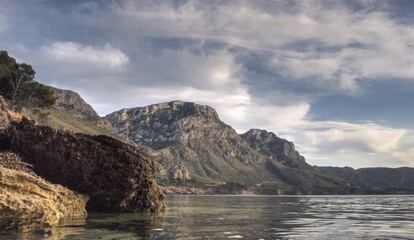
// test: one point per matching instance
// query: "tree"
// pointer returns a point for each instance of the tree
(18, 86)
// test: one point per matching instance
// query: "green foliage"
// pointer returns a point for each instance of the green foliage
(18, 86)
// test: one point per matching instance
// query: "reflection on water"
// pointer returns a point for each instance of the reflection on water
(253, 217)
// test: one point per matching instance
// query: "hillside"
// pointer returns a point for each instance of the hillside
(70, 112)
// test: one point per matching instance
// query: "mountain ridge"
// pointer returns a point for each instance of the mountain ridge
(193, 143)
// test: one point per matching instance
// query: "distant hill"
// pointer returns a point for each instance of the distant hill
(381, 180)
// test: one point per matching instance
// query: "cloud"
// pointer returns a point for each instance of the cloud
(363, 45)
(350, 144)
(261, 64)
(72, 52)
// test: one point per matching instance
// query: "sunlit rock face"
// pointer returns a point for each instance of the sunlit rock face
(28, 202)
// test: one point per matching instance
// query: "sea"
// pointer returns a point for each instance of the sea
(250, 217)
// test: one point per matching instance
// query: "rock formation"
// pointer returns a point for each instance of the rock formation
(115, 175)
(28, 202)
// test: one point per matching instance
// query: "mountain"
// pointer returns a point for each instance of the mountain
(191, 142)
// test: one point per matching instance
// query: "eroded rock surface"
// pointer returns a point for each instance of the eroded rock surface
(28, 202)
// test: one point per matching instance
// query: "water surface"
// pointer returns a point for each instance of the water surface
(253, 217)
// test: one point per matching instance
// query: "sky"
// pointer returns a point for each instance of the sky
(334, 77)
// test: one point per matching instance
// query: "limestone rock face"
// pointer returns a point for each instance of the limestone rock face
(28, 202)
(269, 144)
(192, 142)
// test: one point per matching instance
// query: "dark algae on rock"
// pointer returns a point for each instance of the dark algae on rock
(116, 176)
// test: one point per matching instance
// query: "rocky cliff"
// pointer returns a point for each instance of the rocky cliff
(115, 175)
(192, 142)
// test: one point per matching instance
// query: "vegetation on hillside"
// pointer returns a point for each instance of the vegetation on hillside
(17, 84)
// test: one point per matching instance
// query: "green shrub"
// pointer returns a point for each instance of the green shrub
(18, 86)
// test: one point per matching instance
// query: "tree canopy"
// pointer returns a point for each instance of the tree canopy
(18, 86)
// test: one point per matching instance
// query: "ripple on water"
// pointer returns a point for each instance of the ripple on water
(235, 236)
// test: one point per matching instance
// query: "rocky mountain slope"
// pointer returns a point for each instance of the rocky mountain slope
(70, 112)
(191, 142)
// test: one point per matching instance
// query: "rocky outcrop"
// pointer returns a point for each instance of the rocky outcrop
(116, 176)
(28, 202)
